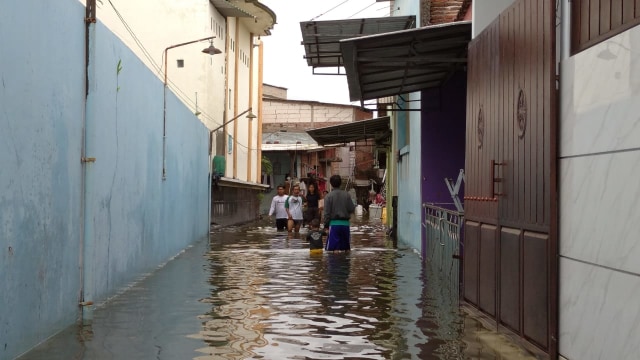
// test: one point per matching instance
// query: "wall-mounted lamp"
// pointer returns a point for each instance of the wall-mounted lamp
(249, 116)
(211, 50)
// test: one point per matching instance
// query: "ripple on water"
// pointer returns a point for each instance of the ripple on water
(375, 302)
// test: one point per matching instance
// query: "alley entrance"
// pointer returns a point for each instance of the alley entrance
(252, 293)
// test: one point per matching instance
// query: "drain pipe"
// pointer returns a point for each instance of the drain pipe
(84, 298)
(565, 28)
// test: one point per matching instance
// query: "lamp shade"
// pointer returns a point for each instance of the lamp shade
(211, 50)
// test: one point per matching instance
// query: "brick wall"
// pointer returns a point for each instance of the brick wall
(440, 11)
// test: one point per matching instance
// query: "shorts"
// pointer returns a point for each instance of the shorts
(281, 224)
(339, 238)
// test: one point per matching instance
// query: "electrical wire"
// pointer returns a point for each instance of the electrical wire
(333, 8)
(362, 10)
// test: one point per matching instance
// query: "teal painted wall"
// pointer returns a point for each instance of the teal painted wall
(57, 240)
(409, 170)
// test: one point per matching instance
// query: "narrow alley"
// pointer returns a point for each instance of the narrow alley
(252, 293)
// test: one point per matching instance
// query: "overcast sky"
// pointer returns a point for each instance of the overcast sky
(284, 63)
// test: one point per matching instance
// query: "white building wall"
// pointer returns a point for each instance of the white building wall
(484, 12)
(599, 168)
(217, 87)
(240, 83)
(159, 24)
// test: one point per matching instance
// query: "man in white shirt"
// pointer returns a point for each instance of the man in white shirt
(277, 207)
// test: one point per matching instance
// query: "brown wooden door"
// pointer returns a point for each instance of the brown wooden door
(510, 250)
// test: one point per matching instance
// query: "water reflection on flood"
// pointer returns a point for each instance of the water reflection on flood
(252, 293)
(275, 300)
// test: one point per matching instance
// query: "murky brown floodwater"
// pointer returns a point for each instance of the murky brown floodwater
(252, 293)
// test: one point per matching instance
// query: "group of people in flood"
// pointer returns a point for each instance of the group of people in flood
(334, 210)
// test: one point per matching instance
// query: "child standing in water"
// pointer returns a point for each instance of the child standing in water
(315, 237)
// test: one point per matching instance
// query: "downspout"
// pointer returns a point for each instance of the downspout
(249, 155)
(236, 81)
(85, 249)
(260, 94)
(227, 94)
(565, 43)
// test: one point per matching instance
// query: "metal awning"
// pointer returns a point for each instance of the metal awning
(377, 128)
(404, 61)
(321, 39)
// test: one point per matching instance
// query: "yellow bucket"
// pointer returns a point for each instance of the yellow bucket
(384, 213)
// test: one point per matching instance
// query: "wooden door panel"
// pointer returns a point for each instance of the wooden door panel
(535, 287)
(470, 261)
(510, 278)
(487, 275)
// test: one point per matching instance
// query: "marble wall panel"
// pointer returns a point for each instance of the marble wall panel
(600, 97)
(599, 312)
(599, 209)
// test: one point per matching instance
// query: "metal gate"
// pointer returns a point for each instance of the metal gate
(510, 267)
(443, 229)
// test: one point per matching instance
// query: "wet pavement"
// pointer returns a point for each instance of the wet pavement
(252, 293)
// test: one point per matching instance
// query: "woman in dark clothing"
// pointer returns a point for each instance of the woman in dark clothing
(313, 199)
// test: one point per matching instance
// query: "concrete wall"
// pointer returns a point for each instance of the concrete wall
(270, 91)
(599, 167)
(312, 115)
(57, 241)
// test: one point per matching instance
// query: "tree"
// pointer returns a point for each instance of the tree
(267, 167)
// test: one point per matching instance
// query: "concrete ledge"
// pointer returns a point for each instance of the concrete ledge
(230, 182)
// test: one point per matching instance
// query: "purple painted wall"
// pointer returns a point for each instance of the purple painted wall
(443, 139)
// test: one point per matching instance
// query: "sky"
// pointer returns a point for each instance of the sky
(284, 63)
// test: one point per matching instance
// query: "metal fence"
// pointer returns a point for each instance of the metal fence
(230, 205)
(443, 232)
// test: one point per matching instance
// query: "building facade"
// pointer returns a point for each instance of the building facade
(222, 90)
(549, 143)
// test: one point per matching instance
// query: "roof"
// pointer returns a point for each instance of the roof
(288, 140)
(404, 61)
(258, 18)
(358, 130)
(321, 39)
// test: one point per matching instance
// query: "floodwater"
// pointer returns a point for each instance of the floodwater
(252, 293)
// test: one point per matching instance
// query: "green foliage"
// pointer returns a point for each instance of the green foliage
(118, 70)
(267, 167)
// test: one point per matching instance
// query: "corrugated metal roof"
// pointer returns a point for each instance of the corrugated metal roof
(287, 137)
(321, 39)
(377, 128)
(404, 61)
(288, 140)
(256, 16)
